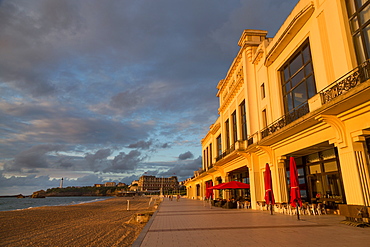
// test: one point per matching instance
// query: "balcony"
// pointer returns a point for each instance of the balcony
(285, 120)
(346, 83)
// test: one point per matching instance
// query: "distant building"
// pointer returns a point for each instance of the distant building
(134, 185)
(98, 185)
(148, 183)
(110, 184)
(121, 184)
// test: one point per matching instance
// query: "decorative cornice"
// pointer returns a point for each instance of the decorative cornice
(214, 128)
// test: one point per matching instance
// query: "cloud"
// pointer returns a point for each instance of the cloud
(184, 170)
(98, 157)
(186, 155)
(125, 162)
(141, 145)
(34, 157)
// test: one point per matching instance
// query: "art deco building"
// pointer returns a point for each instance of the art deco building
(304, 93)
(151, 183)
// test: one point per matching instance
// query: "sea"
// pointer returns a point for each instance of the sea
(14, 203)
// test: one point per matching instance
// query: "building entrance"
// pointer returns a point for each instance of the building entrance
(320, 178)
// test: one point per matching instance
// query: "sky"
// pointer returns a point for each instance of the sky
(95, 91)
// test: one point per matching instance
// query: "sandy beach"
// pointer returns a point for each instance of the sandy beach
(103, 223)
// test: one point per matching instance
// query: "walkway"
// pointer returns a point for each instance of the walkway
(192, 223)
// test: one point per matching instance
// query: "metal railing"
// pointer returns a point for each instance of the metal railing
(346, 82)
(285, 120)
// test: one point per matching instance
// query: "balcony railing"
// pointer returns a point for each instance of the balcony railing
(346, 82)
(285, 120)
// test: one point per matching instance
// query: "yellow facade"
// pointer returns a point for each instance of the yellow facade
(304, 93)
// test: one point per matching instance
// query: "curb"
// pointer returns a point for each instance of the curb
(140, 238)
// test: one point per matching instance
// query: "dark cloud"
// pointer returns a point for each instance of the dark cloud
(141, 145)
(165, 145)
(186, 155)
(34, 157)
(125, 162)
(184, 170)
(99, 156)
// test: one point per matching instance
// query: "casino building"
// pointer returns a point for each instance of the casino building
(304, 93)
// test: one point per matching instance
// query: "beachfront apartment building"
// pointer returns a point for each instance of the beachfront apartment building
(153, 183)
(305, 93)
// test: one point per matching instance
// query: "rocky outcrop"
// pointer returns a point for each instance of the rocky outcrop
(38, 194)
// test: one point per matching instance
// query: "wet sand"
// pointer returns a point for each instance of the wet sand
(103, 223)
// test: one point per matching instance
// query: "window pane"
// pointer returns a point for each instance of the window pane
(308, 69)
(365, 15)
(297, 78)
(328, 154)
(360, 3)
(286, 74)
(313, 158)
(311, 87)
(331, 166)
(300, 171)
(288, 86)
(289, 102)
(300, 95)
(359, 48)
(351, 7)
(354, 24)
(366, 33)
(296, 64)
(334, 186)
(306, 54)
(315, 169)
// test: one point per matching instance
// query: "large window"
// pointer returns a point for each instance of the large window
(297, 77)
(264, 118)
(243, 115)
(219, 146)
(359, 20)
(210, 155)
(235, 128)
(227, 130)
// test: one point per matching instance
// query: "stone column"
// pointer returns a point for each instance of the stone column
(355, 171)
(281, 194)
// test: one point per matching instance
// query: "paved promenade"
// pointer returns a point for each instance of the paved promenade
(190, 223)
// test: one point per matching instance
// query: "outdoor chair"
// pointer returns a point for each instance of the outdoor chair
(305, 209)
(321, 209)
(277, 208)
(285, 208)
(314, 209)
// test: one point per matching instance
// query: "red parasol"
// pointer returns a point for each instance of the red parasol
(215, 187)
(269, 196)
(231, 185)
(295, 193)
(209, 190)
